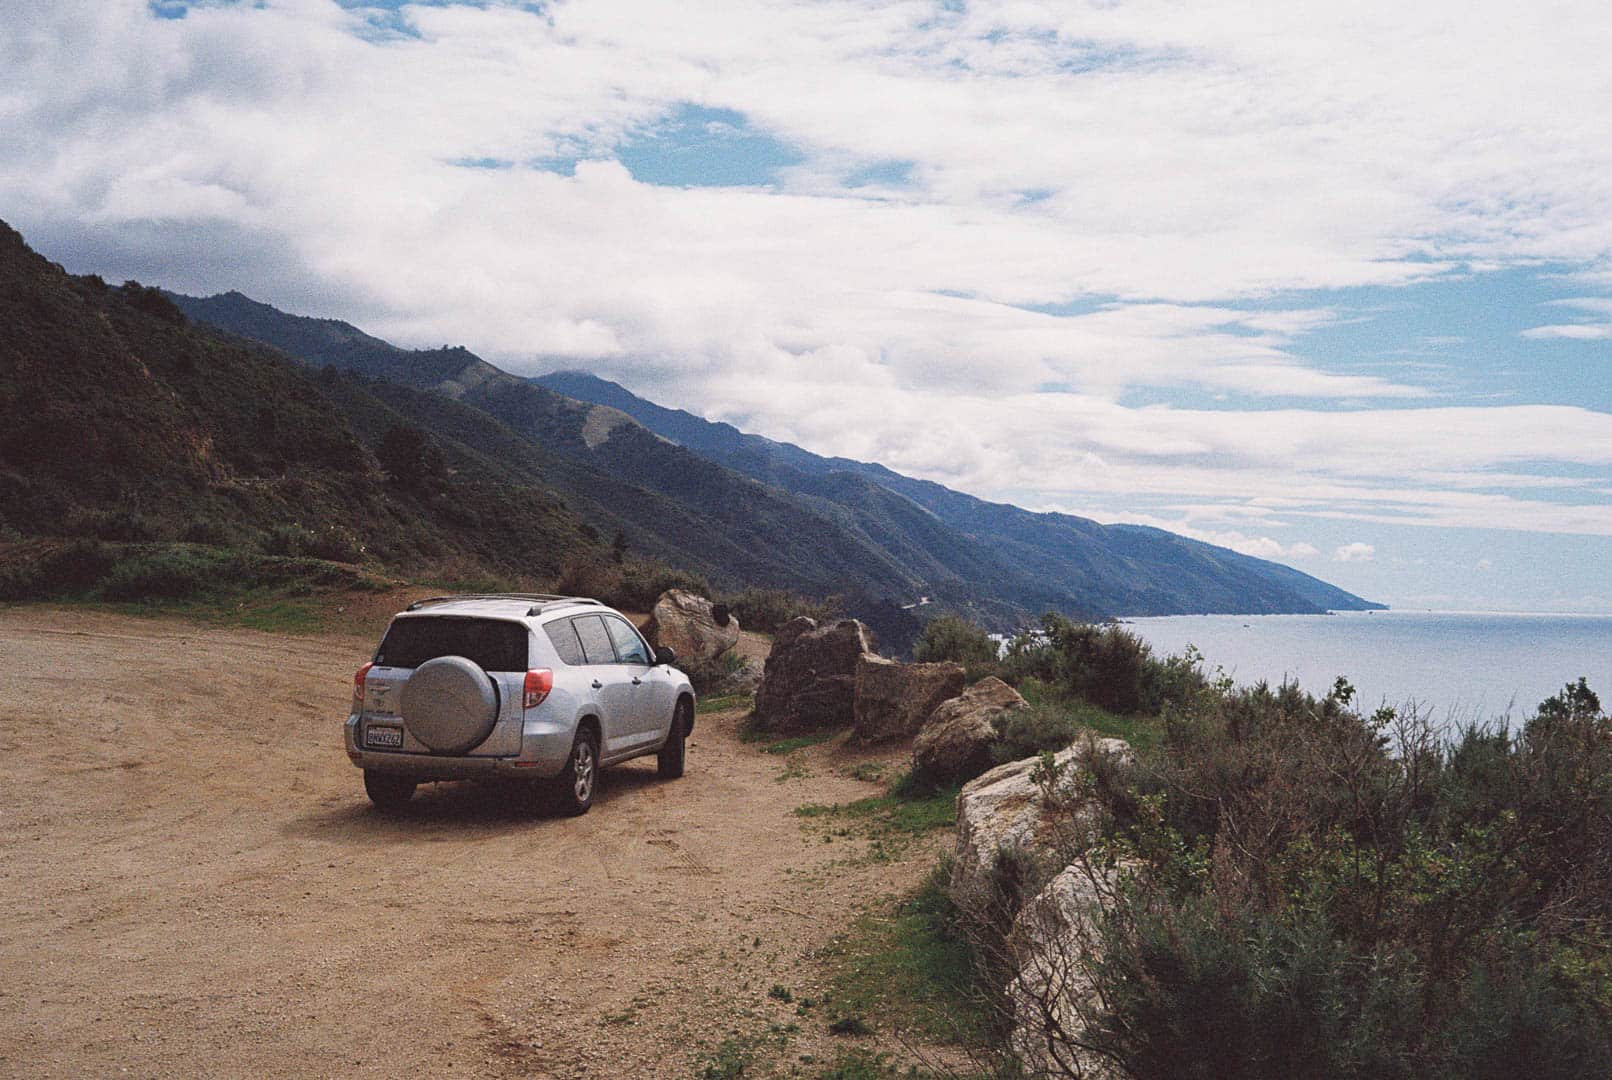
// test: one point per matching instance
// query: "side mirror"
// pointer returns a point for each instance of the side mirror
(664, 655)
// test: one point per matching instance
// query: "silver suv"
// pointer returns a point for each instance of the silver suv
(513, 685)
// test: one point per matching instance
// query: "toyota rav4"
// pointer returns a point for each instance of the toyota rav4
(514, 686)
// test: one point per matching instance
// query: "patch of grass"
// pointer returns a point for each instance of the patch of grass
(890, 822)
(892, 813)
(794, 769)
(724, 703)
(852, 1025)
(798, 742)
(780, 992)
(1054, 719)
(867, 771)
(735, 1056)
(909, 966)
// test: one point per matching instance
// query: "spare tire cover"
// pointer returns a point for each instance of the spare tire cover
(449, 704)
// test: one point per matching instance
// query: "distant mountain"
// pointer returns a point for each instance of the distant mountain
(1120, 569)
(745, 509)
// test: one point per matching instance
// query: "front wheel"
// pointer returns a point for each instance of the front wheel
(669, 760)
(388, 791)
(574, 787)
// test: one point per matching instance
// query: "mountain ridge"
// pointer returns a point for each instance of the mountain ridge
(890, 536)
(1027, 531)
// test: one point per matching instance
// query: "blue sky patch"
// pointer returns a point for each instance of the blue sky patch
(700, 147)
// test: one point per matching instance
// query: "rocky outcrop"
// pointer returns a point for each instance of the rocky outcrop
(1053, 943)
(1005, 811)
(691, 626)
(893, 700)
(809, 682)
(955, 742)
(1012, 822)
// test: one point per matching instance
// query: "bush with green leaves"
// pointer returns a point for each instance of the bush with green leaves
(951, 637)
(765, 610)
(1287, 887)
(1105, 665)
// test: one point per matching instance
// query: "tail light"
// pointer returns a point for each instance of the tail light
(538, 684)
(358, 687)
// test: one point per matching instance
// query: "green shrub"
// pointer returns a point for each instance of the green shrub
(643, 583)
(169, 573)
(1026, 732)
(765, 610)
(120, 525)
(1303, 890)
(224, 534)
(589, 575)
(1106, 665)
(72, 569)
(953, 638)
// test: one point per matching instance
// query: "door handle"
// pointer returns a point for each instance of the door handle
(597, 685)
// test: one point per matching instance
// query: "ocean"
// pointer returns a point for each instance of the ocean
(1464, 666)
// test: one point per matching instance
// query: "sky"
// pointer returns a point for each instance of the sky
(1325, 283)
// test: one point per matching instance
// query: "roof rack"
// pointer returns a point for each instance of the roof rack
(543, 600)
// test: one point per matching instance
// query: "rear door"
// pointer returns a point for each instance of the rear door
(615, 692)
(500, 647)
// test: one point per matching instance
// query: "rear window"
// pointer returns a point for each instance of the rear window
(494, 644)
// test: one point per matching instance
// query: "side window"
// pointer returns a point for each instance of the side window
(629, 646)
(595, 639)
(564, 637)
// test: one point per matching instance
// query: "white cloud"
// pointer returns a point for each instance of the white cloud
(1571, 331)
(1355, 552)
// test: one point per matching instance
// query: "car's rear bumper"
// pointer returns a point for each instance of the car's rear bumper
(544, 750)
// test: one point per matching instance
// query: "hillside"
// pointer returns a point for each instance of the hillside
(783, 516)
(1123, 569)
(671, 503)
(121, 422)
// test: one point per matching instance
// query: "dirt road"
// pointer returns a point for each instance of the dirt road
(192, 882)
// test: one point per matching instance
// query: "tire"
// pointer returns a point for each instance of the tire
(670, 759)
(450, 704)
(388, 791)
(577, 782)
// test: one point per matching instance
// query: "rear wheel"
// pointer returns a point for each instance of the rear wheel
(670, 759)
(388, 791)
(574, 787)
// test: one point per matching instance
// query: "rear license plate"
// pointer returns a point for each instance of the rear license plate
(384, 736)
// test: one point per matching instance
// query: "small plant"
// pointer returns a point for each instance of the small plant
(850, 1025)
(780, 992)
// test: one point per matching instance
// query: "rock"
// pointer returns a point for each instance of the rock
(1053, 943)
(955, 742)
(742, 680)
(691, 626)
(809, 682)
(893, 700)
(1004, 810)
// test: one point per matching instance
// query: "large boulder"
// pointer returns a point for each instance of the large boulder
(1005, 813)
(691, 626)
(955, 742)
(893, 700)
(1053, 947)
(1017, 826)
(809, 682)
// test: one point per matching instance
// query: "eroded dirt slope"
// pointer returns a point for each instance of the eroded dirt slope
(192, 882)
